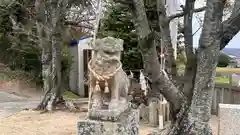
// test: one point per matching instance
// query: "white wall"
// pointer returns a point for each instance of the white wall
(73, 73)
(83, 44)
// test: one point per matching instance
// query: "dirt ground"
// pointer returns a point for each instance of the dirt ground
(30, 122)
(33, 123)
(57, 123)
(21, 88)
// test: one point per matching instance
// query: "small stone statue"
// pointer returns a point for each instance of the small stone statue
(108, 82)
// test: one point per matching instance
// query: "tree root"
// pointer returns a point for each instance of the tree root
(47, 103)
(71, 106)
(51, 102)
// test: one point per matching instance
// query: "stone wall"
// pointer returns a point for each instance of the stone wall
(229, 120)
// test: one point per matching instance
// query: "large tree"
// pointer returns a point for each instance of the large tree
(16, 49)
(45, 25)
(191, 106)
(51, 17)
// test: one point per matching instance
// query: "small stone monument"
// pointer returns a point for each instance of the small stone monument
(109, 109)
(229, 119)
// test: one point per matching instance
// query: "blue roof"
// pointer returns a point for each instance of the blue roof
(75, 42)
(85, 37)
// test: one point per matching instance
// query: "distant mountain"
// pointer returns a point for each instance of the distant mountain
(232, 52)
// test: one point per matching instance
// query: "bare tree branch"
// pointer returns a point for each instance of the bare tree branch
(150, 58)
(231, 26)
(183, 13)
(191, 61)
(159, 79)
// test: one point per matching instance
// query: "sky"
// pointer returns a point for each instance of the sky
(234, 43)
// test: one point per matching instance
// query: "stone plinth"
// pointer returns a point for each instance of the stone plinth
(106, 115)
(229, 119)
(127, 124)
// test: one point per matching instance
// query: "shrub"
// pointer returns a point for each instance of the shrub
(223, 60)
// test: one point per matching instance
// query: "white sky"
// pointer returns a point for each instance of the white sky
(199, 3)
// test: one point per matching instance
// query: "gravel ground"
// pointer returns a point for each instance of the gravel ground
(10, 104)
(57, 123)
(33, 123)
(6, 97)
(9, 108)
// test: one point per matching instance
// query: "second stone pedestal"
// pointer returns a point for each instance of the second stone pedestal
(127, 124)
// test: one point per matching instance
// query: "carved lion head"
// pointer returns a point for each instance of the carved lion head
(106, 54)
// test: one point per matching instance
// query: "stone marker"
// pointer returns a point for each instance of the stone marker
(229, 119)
(144, 113)
(153, 113)
(109, 111)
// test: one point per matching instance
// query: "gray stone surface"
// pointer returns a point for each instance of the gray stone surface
(108, 114)
(128, 124)
(10, 104)
(229, 119)
(6, 97)
(9, 108)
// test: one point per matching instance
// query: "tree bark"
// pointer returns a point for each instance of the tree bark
(49, 29)
(192, 117)
(193, 114)
(195, 120)
(161, 84)
(207, 58)
(52, 74)
(151, 64)
(51, 68)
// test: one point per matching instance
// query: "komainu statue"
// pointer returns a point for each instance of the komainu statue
(108, 82)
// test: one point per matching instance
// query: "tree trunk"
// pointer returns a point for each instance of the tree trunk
(51, 73)
(49, 28)
(193, 117)
(193, 109)
(190, 69)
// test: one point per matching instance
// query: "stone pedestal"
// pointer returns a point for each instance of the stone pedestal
(229, 119)
(127, 124)
(108, 114)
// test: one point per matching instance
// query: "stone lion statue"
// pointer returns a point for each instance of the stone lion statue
(108, 82)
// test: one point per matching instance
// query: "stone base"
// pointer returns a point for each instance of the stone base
(229, 119)
(107, 114)
(128, 124)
